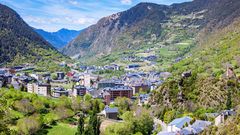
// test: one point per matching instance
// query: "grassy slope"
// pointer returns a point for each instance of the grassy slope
(207, 87)
(62, 129)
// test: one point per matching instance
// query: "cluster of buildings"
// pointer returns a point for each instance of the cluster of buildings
(188, 126)
(133, 85)
(38, 83)
(128, 85)
(134, 58)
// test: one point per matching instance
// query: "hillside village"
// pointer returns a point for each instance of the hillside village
(76, 83)
(134, 84)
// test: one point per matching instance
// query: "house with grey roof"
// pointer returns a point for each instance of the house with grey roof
(197, 127)
(110, 113)
(223, 115)
(79, 90)
(178, 124)
(59, 91)
(166, 133)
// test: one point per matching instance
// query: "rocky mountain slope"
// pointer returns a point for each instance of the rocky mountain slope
(148, 22)
(21, 44)
(59, 38)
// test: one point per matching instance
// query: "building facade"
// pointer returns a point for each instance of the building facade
(39, 88)
(58, 92)
(79, 90)
(119, 91)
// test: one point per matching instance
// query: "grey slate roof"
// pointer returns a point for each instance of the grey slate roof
(166, 133)
(179, 122)
(111, 110)
(201, 123)
(118, 88)
(60, 90)
(197, 127)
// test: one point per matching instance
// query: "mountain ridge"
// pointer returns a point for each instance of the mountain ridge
(21, 44)
(133, 27)
(59, 38)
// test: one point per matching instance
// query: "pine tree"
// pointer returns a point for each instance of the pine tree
(95, 123)
(98, 124)
(80, 129)
(89, 130)
(229, 100)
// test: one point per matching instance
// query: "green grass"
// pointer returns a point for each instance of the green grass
(62, 129)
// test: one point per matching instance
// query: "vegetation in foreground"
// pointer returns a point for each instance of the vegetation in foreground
(26, 113)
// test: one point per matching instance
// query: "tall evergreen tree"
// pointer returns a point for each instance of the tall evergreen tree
(229, 100)
(98, 124)
(89, 130)
(95, 123)
(80, 129)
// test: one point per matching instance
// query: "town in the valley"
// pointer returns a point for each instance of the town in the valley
(82, 80)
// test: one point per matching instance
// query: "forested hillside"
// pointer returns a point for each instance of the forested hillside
(20, 44)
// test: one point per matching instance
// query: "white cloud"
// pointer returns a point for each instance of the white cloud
(52, 15)
(73, 2)
(56, 23)
(126, 2)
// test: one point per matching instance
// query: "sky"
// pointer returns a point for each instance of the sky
(52, 15)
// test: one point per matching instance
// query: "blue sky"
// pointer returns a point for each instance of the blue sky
(52, 15)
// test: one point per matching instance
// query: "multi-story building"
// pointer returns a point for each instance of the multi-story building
(109, 83)
(39, 88)
(60, 75)
(58, 92)
(119, 91)
(140, 87)
(79, 90)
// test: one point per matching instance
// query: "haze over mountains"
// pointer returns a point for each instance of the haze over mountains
(59, 38)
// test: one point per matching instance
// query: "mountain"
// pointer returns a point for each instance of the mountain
(60, 38)
(21, 44)
(118, 31)
(213, 60)
(214, 64)
(148, 22)
(214, 79)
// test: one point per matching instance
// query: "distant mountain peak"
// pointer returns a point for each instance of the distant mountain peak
(59, 38)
